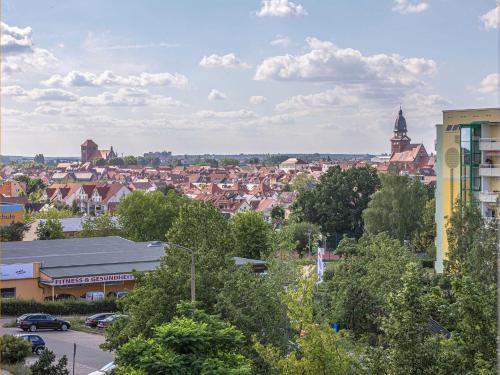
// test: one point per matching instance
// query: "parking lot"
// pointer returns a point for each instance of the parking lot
(89, 357)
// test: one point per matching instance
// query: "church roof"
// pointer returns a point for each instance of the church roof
(400, 123)
(89, 142)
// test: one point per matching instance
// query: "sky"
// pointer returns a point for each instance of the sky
(247, 76)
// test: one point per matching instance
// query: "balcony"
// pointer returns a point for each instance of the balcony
(489, 144)
(489, 170)
(488, 196)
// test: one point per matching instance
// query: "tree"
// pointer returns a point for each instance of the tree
(130, 160)
(99, 162)
(304, 235)
(397, 208)
(39, 158)
(356, 294)
(192, 343)
(200, 227)
(424, 237)
(229, 162)
(252, 235)
(12, 232)
(147, 216)
(51, 213)
(277, 214)
(45, 364)
(318, 350)
(303, 182)
(472, 243)
(338, 200)
(100, 226)
(253, 304)
(49, 229)
(253, 160)
(13, 349)
(411, 348)
(116, 161)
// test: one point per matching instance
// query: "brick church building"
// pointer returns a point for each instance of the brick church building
(90, 152)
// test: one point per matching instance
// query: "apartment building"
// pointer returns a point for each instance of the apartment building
(468, 167)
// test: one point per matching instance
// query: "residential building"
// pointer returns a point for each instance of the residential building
(13, 188)
(468, 167)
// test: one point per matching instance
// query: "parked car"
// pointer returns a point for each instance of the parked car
(93, 296)
(92, 321)
(107, 369)
(109, 320)
(33, 322)
(118, 294)
(37, 343)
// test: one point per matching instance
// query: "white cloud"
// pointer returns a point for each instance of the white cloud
(39, 94)
(227, 61)
(257, 99)
(13, 91)
(127, 96)
(326, 99)
(280, 8)
(490, 84)
(108, 78)
(491, 19)
(281, 41)
(329, 63)
(410, 6)
(18, 51)
(215, 115)
(216, 95)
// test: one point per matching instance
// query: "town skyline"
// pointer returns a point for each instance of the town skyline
(254, 77)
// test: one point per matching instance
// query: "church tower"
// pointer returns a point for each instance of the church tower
(400, 141)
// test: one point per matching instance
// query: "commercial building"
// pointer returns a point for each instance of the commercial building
(468, 167)
(67, 268)
(11, 213)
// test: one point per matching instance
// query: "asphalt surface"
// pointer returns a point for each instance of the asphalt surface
(89, 357)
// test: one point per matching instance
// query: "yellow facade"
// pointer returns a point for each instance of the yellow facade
(449, 171)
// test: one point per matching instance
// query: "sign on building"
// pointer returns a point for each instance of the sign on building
(16, 271)
(91, 279)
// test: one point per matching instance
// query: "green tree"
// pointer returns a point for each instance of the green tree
(318, 349)
(303, 182)
(130, 160)
(100, 226)
(304, 235)
(229, 162)
(338, 200)
(424, 237)
(45, 364)
(50, 229)
(356, 294)
(277, 214)
(397, 208)
(13, 349)
(51, 213)
(117, 161)
(74, 208)
(147, 216)
(252, 235)
(12, 232)
(472, 243)
(99, 162)
(200, 227)
(39, 158)
(411, 347)
(192, 343)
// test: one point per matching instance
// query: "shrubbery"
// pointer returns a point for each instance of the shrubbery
(13, 349)
(18, 307)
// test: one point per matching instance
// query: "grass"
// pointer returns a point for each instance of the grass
(78, 324)
(17, 369)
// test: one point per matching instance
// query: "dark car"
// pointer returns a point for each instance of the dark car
(37, 343)
(32, 322)
(109, 320)
(92, 321)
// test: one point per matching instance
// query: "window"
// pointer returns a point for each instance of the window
(8, 292)
(470, 160)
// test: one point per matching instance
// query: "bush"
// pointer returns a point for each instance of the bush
(46, 364)
(18, 307)
(13, 349)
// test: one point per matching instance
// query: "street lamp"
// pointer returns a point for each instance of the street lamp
(193, 270)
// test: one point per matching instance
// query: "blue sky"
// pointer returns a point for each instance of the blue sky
(240, 76)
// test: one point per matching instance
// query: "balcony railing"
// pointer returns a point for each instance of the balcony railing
(489, 170)
(489, 196)
(489, 144)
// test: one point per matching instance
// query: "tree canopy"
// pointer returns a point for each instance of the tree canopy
(50, 229)
(252, 235)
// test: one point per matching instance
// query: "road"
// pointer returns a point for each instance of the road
(88, 355)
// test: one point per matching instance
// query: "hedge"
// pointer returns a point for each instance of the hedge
(16, 307)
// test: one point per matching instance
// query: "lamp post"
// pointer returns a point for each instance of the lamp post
(193, 269)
